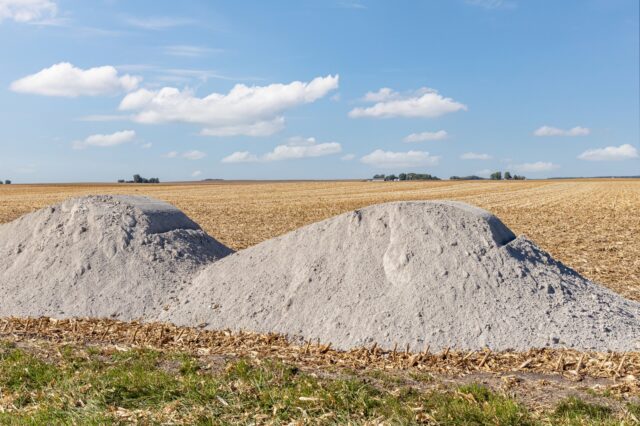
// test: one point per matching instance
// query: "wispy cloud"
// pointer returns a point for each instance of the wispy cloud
(351, 4)
(426, 136)
(296, 148)
(538, 166)
(157, 23)
(493, 4)
(546, 131)
(103, 117)
(28, 11)
(475, 156)
(610, 153)
(194, 154)
(189, 51)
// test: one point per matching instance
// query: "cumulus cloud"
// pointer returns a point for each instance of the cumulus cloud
(194, 154)
(554, 131)
(295, 148)
(389, 159)
(538, 166)
(171, 154)
(475, 156)
(246, 110)
(423, 102)
(103, 141)
(64, 79)
(27, 10)
(610, 153)
(426, 136)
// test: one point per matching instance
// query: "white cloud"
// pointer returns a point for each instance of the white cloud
(348, 157)
(260, 128)
(146, 145)
(244, 110)
(171, 154)
(27, 10)
(554, 131)
(112, 139)
(189, 51)
(610, 153)
(241, 157)
(381, 95)
(424, 102)
(388, 159)
(538, 166)
(475, 156)
(158, 22)
(64, 79)
(196, 173)
(426, 136)
(295, 148)
(193, 155)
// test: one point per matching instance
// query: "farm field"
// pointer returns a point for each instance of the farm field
(590, 225)
(106, 371)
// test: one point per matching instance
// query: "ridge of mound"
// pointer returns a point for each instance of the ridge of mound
(437, 274)
(100, 256)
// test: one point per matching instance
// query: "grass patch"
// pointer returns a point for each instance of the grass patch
(575, 411)
(91, 385)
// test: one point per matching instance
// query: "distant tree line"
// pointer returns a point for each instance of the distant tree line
(507, 176)
(493, 176)
(406, 176)
(140, 179)
(6, 182)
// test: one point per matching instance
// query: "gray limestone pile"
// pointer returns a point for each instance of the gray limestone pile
(123, 257)
(437, 274)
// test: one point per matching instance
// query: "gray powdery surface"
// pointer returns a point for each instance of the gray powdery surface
(124, 257)
(442, 274)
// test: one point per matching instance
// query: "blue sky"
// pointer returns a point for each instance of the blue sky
(96, 91)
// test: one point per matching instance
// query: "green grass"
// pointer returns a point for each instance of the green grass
(80, 385)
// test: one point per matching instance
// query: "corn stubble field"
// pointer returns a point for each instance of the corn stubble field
(102, 371)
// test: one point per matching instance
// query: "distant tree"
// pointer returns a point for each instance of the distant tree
(378, 176)
(517, 177)
(496, 176)
(402, 176)
(507, 175)
(137, 179)
(391, 178)
(120, 180)
(7, 182)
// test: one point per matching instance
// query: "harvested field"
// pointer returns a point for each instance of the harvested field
(65, 371)
(591, 225)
